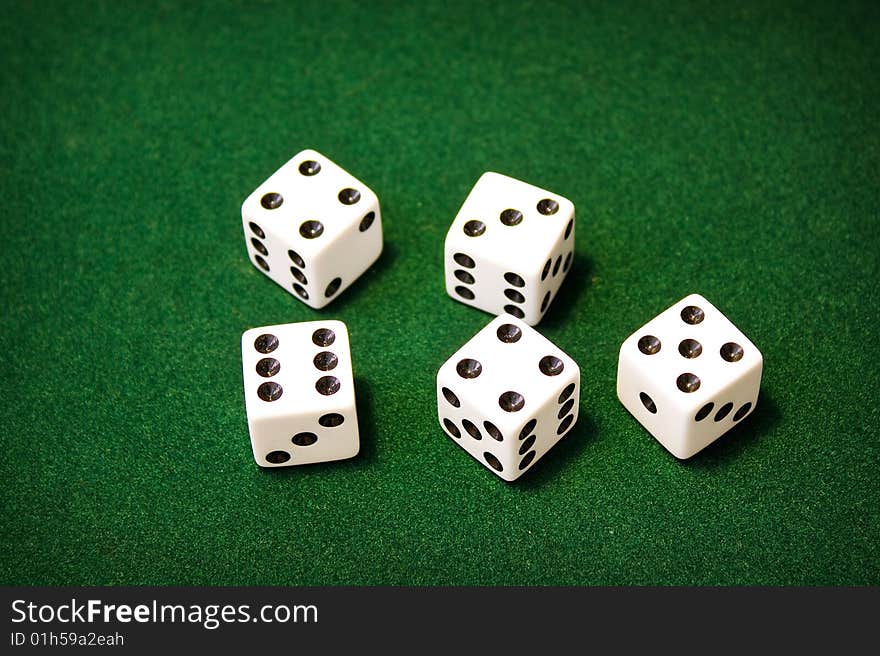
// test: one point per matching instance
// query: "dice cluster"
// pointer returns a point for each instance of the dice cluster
(508, 394)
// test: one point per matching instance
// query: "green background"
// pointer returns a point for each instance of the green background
(730, 151)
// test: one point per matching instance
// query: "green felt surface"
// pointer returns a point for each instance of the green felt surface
(730, 151)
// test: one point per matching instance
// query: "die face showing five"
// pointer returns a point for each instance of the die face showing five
(313, 228)
(299, 393)
(507, 396)
(509, 248)
(689, 375)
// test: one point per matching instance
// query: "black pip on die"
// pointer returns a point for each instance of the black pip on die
(507, 396)
(509, 248)
(299, 393)
(689, 375)
(313, 228)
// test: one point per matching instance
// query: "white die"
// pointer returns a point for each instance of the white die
(313, 228)
(507, 396)
(689, 375)
(509, 248)
(299, 393)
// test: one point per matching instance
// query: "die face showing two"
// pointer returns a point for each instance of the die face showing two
(313, 228)
(299, 393)
(689, 375)
(509, 248)
(507, 396)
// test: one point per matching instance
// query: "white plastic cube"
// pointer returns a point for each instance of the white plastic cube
(689, 375)
(313, 228)
(299, 393)
(507, 396)
(509, 248)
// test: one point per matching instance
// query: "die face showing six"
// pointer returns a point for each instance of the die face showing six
(507, 396)
(299, 393)
(689, 375)
(313, 228)
(509, 248)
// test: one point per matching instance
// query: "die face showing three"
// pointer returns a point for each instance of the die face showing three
(313, 228)
(299, 393)
(689, 375)
(507, 396)
(509, 248)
